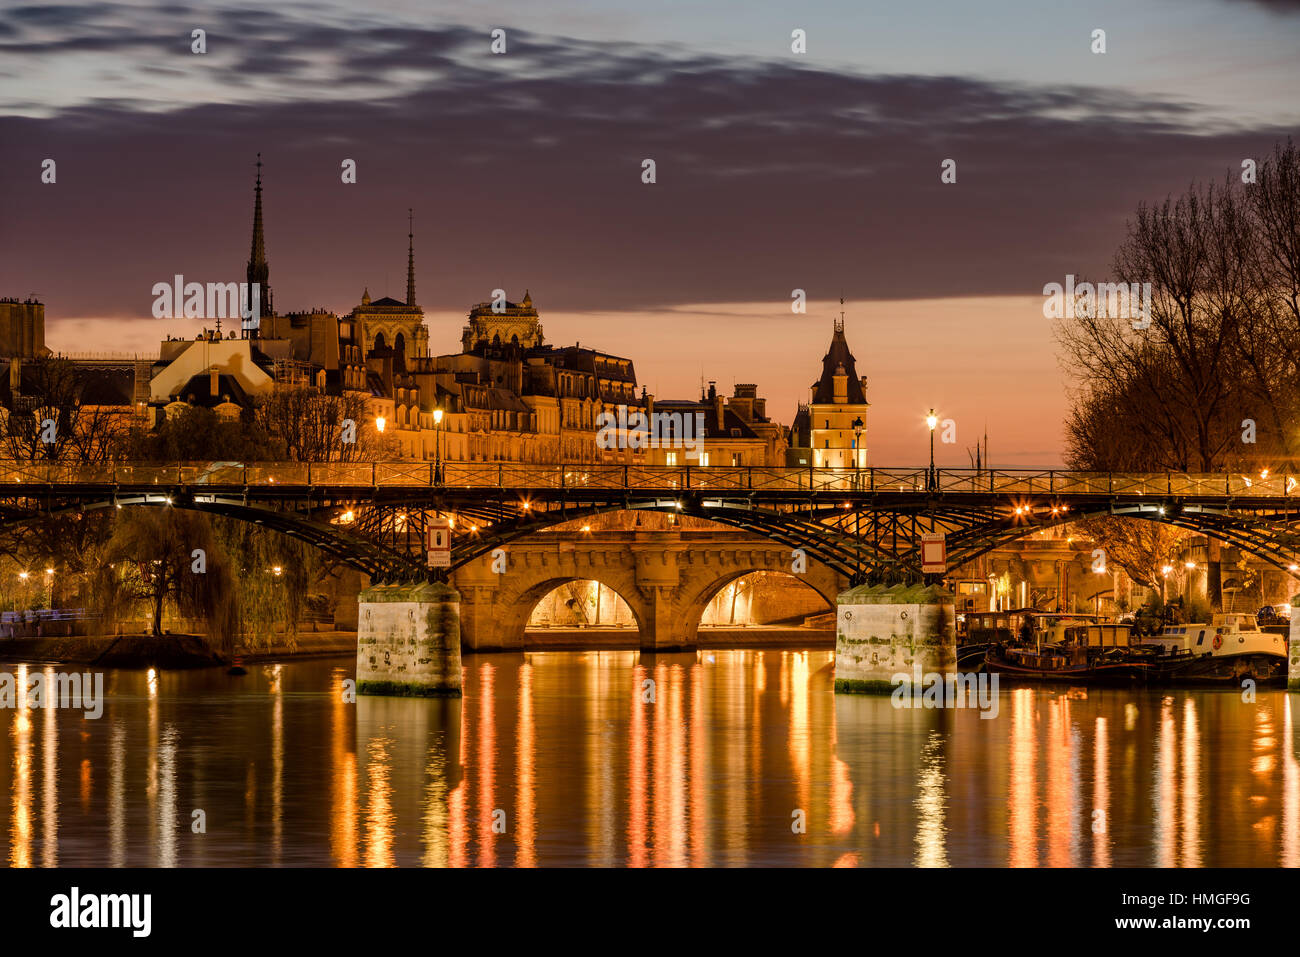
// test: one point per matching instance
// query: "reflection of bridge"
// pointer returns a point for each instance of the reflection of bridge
(863, 524)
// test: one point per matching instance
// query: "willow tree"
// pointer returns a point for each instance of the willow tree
(157, 556)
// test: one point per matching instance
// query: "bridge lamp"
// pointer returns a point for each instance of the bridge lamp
(1162, 510)
(1166, 570)
(932, 420)
(22, 576)
(1263, 473)
(380, 422)
(1293, 567)
(587, 528)
(1190, 566)
(347, 516)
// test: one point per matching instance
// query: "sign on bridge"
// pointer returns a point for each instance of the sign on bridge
(438, 545)
(934, 553)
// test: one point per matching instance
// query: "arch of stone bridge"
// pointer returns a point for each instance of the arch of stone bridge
(494, 611)
(697, 593)
(665, 579)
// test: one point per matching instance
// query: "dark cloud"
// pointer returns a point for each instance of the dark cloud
(525, 170)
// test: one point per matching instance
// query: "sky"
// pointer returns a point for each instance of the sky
(775, 171)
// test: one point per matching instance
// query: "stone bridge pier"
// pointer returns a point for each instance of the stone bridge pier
(667, 579)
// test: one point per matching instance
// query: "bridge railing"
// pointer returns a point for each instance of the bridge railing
(470, 475)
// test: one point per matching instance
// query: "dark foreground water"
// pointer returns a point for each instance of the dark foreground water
(555, 759)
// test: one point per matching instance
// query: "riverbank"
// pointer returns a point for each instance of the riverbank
(168, 652)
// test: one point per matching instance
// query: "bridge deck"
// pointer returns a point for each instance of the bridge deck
(17, 477)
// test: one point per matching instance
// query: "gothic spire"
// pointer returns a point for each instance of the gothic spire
(410, 260)
(258, 271)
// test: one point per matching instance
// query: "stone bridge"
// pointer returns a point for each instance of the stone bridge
(667, 578)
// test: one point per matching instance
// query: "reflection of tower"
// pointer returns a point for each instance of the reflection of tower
(258, 271)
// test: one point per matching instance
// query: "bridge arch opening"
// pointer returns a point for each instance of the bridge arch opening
(568, 609)
(581, 603)
(762, 602)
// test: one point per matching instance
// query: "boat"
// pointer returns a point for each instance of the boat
(1227, 650)
(1073, 648)
(980, 631)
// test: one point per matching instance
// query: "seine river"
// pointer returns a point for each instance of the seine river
(556, 759)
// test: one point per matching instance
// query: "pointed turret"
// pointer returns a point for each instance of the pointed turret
(258, 270)
(410, 260)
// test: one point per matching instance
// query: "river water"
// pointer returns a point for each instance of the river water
(556, 758)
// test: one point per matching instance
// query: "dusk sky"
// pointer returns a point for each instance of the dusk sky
(775, 171)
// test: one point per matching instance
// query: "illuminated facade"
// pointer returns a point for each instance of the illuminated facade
(831, 430)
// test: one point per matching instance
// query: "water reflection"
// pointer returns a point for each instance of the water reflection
(618, 758)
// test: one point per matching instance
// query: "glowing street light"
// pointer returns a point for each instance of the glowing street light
(437, 446)
(931, 420)
(1190, 566)
(380, 422)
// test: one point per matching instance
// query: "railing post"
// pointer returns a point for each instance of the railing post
(1110, 483)
(686, 482)
(749, 478)
(624, 476)
(309, 475)
(374, 475)
(500, 478)
(871, 477)
(1051, 481)
(1169, 483)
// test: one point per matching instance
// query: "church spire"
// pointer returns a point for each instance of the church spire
(410, 259)
(258, 271)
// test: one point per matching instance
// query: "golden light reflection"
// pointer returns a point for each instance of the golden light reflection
(525, 758)
(1290, 850)
(343, 775)
(931, 832)
(20, 820)
(1164, 792)
(1191, 789)
(1101, 795)
(486, 760)
(379, 806)
(637, 743)
(1022, 785)
(50, 778)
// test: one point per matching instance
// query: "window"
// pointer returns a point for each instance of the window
(735, 458)
(671, 458)
(704, 458)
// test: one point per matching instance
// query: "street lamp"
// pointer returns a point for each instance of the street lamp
(931, 420)
(857, 483)
(380, 422)
(437, 446)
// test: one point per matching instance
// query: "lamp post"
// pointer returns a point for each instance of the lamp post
(857, 485)
(857, 426)
(931, 420)
(437, 446)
